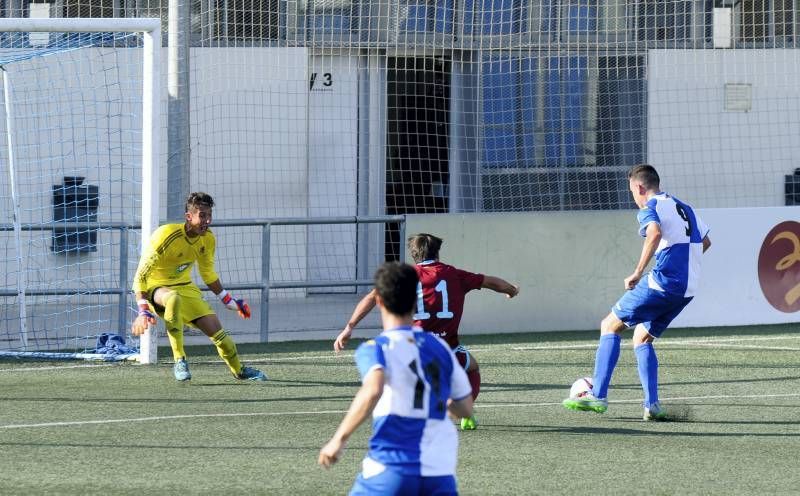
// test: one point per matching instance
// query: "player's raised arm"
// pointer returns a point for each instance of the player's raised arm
(500, 285)
(363, 307)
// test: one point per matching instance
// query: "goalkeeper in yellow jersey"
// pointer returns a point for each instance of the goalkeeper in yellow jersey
(163, 284)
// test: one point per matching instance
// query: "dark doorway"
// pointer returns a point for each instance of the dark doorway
(417, 168)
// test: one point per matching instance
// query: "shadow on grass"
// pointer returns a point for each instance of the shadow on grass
(499, 387)
(583, 430)
(172, 399)
(744, 380)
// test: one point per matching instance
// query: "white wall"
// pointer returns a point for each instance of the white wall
(571, 266)
(743, 155)
(333, 164)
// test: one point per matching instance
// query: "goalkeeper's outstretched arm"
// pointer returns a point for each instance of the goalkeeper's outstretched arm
(231, 302)
(364, 306)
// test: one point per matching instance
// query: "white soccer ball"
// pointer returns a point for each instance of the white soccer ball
(581, 388)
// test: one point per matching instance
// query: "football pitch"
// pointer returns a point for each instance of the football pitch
(78, 428)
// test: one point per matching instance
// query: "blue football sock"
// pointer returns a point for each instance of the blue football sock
(648, 372)
(604, 362)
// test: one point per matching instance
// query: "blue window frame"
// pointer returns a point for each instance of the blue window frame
(581, 17)
(494, 17)
(565, 100)
(500, 103)
(430, 17)
(509, 111)
(339, 19)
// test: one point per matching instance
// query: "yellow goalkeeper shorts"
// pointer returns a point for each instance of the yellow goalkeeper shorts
(193, 306)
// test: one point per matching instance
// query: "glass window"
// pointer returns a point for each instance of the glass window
(332, 16)
(580, 17)
(494, 17)
(426, 16)
(501, 100)
(566, 99)
(754, 20)
(517, 97)
(252, 19)
(784, 19)
(664, 20)
(613, 17)
(101, 8)
(621, 111)
(542, 17)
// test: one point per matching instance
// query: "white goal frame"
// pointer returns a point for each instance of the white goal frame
(151, 122)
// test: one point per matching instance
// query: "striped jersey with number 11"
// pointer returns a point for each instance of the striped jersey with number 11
(411, 431)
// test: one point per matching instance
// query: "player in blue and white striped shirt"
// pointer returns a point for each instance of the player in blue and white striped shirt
(409, 380)
(678, 238)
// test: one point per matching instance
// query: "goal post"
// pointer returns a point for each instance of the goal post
(81, 105)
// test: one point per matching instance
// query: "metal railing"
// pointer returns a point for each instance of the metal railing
(264, 285)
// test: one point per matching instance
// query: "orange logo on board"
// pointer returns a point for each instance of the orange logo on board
(779, 267)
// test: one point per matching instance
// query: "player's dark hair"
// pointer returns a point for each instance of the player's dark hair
(198, 199)
(645, 174)
(424, 246)
(396, 284)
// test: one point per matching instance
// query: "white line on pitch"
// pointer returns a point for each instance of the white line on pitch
(666, 342)
(167, 417)
(58, 367)
(748, 346)
(329, 412)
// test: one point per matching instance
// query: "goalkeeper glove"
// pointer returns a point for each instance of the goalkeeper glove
(144, 311)
(235, 304)
(145, 318)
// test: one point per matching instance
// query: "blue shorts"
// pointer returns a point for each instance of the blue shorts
(649, 307)
(390, 482)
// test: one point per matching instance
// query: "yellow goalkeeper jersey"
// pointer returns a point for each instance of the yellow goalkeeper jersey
(169, 259)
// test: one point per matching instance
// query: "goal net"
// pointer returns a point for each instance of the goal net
(78, 148)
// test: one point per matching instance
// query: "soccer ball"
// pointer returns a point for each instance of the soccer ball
(581, 388)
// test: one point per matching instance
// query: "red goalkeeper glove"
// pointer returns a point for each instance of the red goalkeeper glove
(235, 304)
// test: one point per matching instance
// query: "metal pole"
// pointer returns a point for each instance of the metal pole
(402, 250)
(148, 344)
(21, 275)
(178, 130)
(265, 255)
(122, 321)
